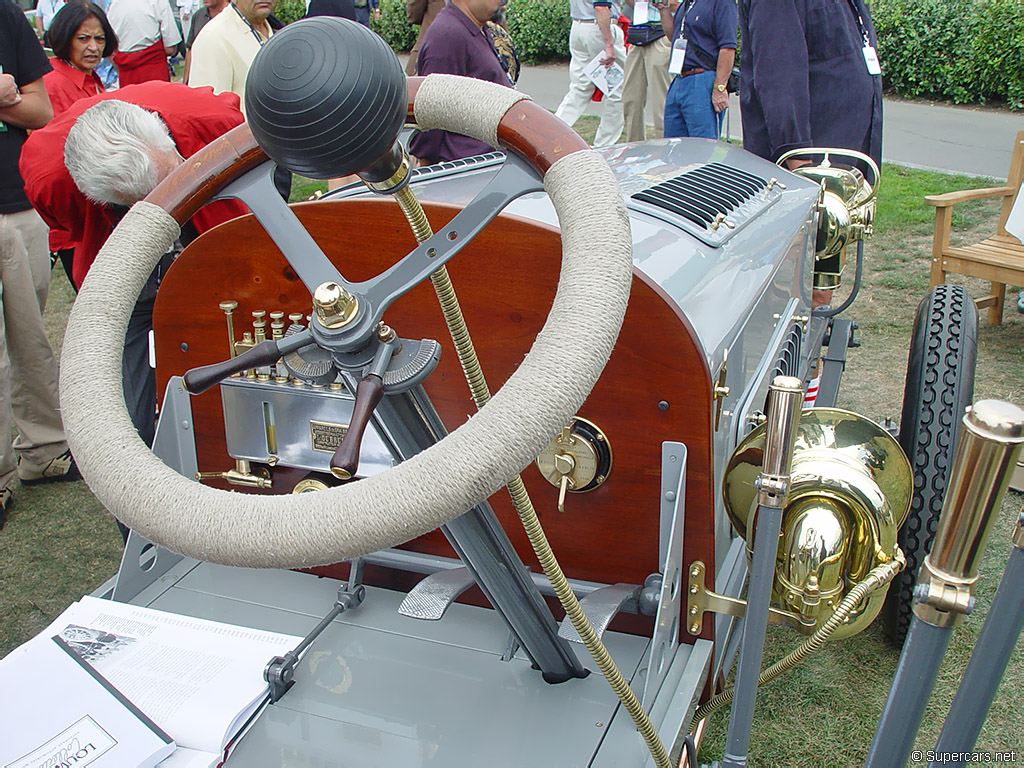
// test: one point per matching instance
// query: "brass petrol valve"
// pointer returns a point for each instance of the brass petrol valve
(576, 461)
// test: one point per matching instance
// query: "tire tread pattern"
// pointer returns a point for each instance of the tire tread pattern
(939, 386)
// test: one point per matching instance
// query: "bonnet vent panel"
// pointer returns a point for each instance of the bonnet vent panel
(712, 201)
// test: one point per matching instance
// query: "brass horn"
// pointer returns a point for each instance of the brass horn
(846, 209)
(849, 493)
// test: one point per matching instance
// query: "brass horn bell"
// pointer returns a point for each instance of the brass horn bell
(846, 210)
(849, 493)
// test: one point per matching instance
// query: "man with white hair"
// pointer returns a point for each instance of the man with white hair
(106, 153)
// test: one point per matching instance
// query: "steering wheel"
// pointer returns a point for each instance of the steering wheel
(427, 490)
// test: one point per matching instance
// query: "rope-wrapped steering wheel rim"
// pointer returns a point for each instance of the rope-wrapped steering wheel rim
(419, 494)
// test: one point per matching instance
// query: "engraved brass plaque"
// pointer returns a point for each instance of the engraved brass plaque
(326, 436)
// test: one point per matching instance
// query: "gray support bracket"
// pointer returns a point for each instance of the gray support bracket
(175, 440)
(409, 422)
(175, 445)
(600, 607)
(666, 626)
(430, 598)
(833, 362)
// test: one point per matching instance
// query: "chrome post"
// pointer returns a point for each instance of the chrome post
(785, 401)
(985, 455)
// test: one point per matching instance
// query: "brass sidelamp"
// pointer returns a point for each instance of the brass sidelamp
(846, 209)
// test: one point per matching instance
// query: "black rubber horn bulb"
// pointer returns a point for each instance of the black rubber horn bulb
(326, 97)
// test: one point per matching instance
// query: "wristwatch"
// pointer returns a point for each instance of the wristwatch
(720, 87)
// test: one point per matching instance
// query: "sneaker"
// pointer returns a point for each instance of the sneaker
(6, 499)
(61, 468)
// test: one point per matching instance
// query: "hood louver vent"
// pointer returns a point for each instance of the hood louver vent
(712, 201)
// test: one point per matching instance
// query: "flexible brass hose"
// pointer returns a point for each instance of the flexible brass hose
(417, 219)
(878, 577)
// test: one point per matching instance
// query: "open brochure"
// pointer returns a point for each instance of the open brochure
(608, 79)
(57, 710)
(199, 680)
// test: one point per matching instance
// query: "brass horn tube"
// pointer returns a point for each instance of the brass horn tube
(988, 663)
(991, 438)
(785, 401)
(989, 444)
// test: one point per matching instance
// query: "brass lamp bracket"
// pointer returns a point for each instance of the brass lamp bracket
(940, 597)
(721, 391)
(700, 599)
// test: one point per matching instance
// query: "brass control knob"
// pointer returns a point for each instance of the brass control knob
(334, 306)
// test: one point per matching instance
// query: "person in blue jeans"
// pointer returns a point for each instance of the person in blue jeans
(703, 36)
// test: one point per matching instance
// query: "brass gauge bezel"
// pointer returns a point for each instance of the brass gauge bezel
(310, 485)
(590, 448)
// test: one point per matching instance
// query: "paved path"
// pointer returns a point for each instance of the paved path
(957, 139)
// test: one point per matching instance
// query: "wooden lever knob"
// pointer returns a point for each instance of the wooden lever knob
(200, 379)
(345, 461)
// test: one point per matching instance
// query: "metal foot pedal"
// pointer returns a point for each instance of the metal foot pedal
(430, 598)
(600, 606)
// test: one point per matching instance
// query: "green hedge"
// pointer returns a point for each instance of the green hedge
(290, 10)
(539, 29)
(962, 50)
(394, 26)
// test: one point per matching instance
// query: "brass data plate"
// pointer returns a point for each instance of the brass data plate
(325, 436)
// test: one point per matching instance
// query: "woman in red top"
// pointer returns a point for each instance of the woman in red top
(81, 37)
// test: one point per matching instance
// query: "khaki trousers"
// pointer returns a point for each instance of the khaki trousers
(646, 79)
(585, 42)
(28, 370)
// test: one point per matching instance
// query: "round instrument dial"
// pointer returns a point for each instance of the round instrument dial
(582, 453)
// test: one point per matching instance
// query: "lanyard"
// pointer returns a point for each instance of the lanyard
(257, 35)
(687, 5)
(860, 23)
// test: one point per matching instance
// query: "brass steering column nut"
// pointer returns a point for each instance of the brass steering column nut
(334, 306)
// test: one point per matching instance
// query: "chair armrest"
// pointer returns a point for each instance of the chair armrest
(952, 198)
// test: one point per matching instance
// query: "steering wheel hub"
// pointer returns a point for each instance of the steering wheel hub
(334, 306)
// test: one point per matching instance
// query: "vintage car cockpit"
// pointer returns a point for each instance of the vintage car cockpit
(619, 338)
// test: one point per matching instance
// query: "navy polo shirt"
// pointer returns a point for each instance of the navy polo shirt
(454, 45)
(710, 26)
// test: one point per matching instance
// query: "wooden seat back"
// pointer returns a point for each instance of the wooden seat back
(998, 259)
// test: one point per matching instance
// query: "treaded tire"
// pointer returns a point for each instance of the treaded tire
(939, 386)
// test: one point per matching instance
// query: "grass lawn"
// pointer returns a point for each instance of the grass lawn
(59, 542)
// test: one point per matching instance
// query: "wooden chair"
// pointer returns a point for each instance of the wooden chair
(1000, 258)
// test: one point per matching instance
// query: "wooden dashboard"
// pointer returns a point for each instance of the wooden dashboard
(506, 280)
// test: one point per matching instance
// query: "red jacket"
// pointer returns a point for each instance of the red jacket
(194, 116)
(65, 85)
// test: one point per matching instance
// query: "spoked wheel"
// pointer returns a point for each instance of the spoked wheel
(437, 484)
(939, 387)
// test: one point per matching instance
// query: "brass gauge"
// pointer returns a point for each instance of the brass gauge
(578, 460)
(310, 485)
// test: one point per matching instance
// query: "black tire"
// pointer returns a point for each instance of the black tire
(939, 386)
